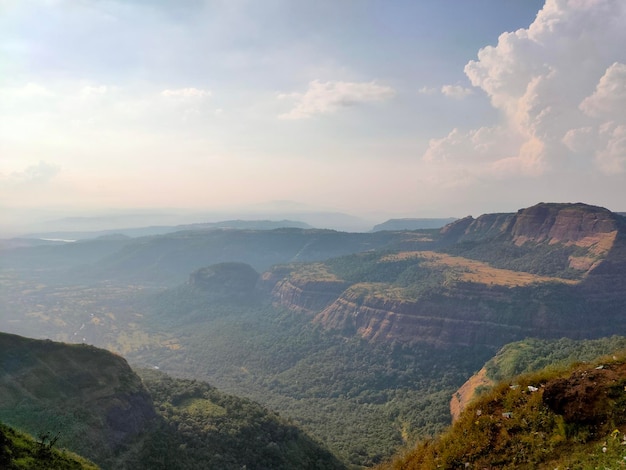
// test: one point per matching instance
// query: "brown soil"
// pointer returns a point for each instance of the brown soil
(589, 396)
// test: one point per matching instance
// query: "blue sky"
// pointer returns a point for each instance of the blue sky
(376, 108)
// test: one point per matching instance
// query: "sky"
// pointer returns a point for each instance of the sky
(433, 108)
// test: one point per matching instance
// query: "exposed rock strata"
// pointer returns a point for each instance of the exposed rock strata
(302, 295)
(477, 313)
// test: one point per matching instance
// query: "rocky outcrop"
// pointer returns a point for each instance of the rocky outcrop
(466, 315)
(467, 392)
(579, 224)
(562, 223)
(301, 294)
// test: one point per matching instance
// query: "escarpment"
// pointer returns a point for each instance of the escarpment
(552, 270)
(301, 293)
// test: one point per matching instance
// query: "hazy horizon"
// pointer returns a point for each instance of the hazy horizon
(374, 109)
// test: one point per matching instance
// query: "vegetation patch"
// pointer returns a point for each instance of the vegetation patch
(469, 270)
(554, 418)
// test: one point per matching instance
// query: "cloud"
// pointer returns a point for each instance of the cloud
(328, 97)
(186, 93)
(427, 90)
(42, 172)
(560, 86)
(456, 91)
(608, 101)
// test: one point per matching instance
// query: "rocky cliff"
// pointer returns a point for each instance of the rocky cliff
(551, 270)
(307, 292)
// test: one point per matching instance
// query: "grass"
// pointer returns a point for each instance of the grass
(468, 270)
(516, 425)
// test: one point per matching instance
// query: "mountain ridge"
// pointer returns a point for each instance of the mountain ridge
(494, 279)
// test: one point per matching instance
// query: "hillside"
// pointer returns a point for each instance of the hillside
(19, 451)
(531, 355)
(557, 418)
(412, 224)
(496, 279)
(362, 350)
(91, 402)
(169, 258)
(90, 397)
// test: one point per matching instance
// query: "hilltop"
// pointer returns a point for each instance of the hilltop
(568, 417)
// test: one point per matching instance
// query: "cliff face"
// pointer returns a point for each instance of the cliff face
(577, 224)
(303, 294)
(474, 303)
(471, 314)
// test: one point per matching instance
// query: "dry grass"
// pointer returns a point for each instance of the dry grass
(476, 271)
(317, 272)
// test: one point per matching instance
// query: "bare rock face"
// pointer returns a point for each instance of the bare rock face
(305, 295)
(562, 223)
(578, 224)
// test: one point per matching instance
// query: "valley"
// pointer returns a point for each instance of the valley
(360, 340)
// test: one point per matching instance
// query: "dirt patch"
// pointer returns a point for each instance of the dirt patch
(466, 393)
(589, 396)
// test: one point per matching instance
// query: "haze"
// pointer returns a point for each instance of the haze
(373, 108)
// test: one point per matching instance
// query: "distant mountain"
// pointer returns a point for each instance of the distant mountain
(360, 338)
(99, 407)
(412, 224)
(168, 259)
(550, 270)
(163, 229)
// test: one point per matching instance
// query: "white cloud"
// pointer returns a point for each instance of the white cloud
(456, 91)
(427, 90)
(186, 93)
(609, 99)
(42, 172)
(560, 86)
(89, 90)
(328, 97)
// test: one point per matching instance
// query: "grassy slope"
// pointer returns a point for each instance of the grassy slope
(19, 451)
(97, 405)
(573, 418)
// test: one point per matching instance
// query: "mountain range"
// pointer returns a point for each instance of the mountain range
(360, 339)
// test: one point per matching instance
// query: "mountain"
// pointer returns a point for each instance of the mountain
(412, 224)
(359, 339)
(95, 404)
(551, 270)
(558, 417)
(168, 259)
(159, 230)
